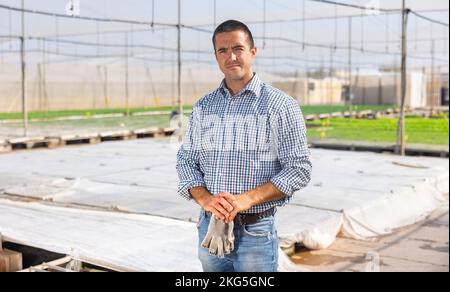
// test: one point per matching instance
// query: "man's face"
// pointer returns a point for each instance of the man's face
(234, 55)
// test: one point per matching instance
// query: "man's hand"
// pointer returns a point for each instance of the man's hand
(225, 206)
(217, 205)
(240, 203)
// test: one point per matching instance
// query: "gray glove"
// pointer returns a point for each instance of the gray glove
(219, 238)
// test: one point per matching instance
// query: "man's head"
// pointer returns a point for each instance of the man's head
(234, 49)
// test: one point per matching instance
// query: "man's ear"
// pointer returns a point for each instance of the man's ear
(254, 51)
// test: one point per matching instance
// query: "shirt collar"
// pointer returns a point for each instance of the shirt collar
(254, 86)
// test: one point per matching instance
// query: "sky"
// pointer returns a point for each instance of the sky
(369, 33)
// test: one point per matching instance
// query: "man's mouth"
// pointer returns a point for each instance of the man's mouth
(233, 66)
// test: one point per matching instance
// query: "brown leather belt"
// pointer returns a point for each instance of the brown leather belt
(251, 218)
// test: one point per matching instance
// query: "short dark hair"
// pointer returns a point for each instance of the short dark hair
(233, 25)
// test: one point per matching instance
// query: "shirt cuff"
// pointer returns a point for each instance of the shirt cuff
(282, 185)
(183, 190)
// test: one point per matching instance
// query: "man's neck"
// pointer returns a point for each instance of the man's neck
(235, 86)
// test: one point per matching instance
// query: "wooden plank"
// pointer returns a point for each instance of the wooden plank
(53, 142)
(34, 142)
(44, 266)
(5, 146)
(4, 264)
(117, 135)
(154, 132)
(23, 140)
(148, 132)
(169, 131)
(91, 138)
(10, 261)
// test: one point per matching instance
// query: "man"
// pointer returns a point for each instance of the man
(245, 153)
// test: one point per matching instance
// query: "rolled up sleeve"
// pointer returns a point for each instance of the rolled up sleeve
(292, 150)
(188, 165)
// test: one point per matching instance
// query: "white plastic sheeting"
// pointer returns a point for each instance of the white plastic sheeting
(122, 242)
(359, 194)
(126, 242)
(402, 207)
(366, 195)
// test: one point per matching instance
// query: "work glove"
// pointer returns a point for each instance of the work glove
(219, 238)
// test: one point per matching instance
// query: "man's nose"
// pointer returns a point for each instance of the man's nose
(233, 56)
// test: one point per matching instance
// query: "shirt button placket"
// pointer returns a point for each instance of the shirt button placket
(222, 171)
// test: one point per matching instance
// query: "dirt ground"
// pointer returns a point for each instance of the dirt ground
(422, 247)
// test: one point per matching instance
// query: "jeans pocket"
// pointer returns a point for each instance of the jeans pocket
(263, 228)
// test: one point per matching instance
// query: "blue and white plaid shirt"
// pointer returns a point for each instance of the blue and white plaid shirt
(237, 143)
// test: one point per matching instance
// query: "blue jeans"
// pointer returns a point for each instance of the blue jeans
(255, 247)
